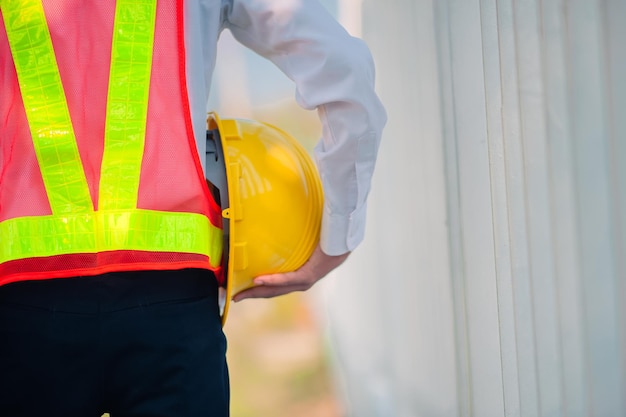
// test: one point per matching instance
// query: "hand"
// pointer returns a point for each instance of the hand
(316, 268)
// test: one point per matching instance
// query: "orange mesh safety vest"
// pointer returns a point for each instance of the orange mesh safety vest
(98, 164)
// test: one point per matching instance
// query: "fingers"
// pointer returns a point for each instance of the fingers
(273, 285)
(267, 286)
(299, 277)
(263, 291)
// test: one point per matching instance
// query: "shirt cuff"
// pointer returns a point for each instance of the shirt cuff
(342, 233)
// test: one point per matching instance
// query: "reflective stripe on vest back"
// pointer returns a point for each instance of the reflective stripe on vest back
(118, 224)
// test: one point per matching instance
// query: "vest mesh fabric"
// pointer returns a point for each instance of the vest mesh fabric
(171, 178)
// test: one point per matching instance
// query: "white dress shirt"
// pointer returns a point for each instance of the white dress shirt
(333, 73)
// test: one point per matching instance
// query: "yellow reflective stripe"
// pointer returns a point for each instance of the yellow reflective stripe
(127, 105)
(46, 106)
(102, 231)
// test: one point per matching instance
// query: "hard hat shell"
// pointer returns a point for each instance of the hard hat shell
(274, 204)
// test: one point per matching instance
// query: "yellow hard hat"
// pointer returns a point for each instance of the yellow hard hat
(271, 198)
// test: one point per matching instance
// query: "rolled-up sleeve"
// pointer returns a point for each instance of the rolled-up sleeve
(333, 72)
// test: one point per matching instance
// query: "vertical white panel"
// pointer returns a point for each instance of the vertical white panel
(453, 208)
(423, 363)
(516, 206)
(411, 187)
(390, 306)
(615, 61)
(541, 383)
(473, 187)
(491, 47)
(588, 105)
(564, 212)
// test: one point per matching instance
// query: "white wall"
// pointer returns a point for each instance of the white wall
(492, 281)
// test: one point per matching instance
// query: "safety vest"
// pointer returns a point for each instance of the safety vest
(98, 164)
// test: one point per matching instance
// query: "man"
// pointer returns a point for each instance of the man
(108, 296)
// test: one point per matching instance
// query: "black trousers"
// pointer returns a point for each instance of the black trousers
(133, 344)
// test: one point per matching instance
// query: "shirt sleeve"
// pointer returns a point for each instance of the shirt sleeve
(333, 72)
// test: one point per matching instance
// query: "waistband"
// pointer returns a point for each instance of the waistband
(111, 292)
